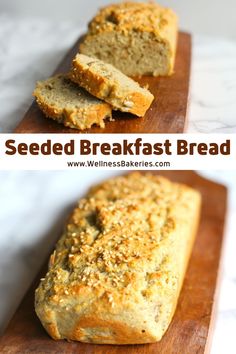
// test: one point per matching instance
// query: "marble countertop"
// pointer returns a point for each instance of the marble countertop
(30, 49)
(29, 217)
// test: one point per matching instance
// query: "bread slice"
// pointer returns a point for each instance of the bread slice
(67, 103)
(137, 38)
(111, 85)
(116, 273)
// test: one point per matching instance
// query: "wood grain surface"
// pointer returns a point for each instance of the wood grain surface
(191, 328)
(168, 113)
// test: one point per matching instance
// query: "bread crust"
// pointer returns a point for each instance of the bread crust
(103, 85)
(78, 118)
(127, 18)
(117, 271)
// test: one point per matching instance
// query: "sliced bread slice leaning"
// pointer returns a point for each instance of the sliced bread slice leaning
(69, 104)
(109, 84)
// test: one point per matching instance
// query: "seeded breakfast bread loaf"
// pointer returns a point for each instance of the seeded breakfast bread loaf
(67, 103)
(137, 38)
(117, 271)
(111, 85)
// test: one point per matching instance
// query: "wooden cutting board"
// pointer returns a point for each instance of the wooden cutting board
(168, 113)
(191, 328)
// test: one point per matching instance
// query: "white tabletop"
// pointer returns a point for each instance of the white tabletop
(29, 218)
(30, 49)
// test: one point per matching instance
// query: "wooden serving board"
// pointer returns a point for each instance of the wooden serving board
(191, 327)
(168, 113)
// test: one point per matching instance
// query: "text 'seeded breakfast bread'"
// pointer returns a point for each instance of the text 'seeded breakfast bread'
(67, 103)
(117, 271)
(137, 38)
(109, 84)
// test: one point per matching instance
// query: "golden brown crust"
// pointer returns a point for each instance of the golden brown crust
(117, 271)
(126, 16)
(77, 118)
(103, 85)
(80, 118)
(132, 17)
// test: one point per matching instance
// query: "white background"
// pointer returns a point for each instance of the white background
(34, 206)
(215, 17)
(191, 161)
